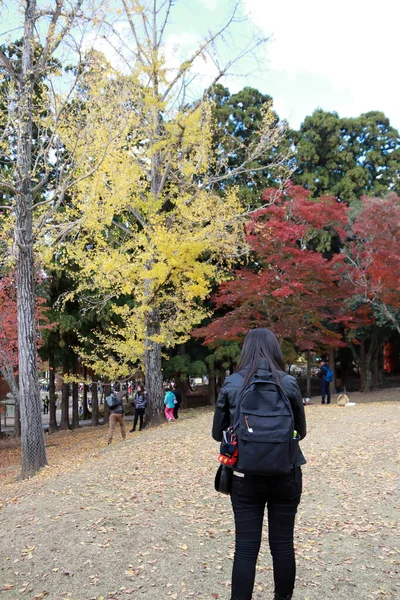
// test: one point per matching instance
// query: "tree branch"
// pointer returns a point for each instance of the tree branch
(69, 184)
(122, 227)
(212, 37)
(137, 215)
(51, 43)
(169, 2)
(8, 66)
(8, 186)
(139, 46)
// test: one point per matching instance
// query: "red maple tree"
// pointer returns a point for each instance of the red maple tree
(374, 257)
(9, 330)
(292, 286)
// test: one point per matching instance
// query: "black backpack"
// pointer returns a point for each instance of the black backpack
(264, 426)
(112, 401)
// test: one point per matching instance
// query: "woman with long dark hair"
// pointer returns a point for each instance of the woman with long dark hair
(250, 494)
(140, 402)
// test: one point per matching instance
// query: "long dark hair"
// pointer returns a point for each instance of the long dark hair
(260, 344)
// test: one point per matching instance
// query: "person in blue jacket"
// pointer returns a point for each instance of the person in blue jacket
(326, 378)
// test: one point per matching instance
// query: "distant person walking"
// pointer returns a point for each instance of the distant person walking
(169, 401)
(326, 375)
(140, 402)
(46, 403)
(116, 406)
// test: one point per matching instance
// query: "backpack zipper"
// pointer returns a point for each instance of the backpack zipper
(249, 429)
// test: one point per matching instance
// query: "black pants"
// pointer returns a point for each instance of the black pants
(250, 494)
(325, 391)
(176, 410)
(139, 412)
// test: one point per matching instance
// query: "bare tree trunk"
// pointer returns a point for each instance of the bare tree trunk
(367, 379)
(212, 384)
(367, 368)
(332, 363)
(184, 387)
(153, 372)
(377, 366)
(152, 349)
(106, 391)
(52, 397)
(308, 390)
(8, 374)
(95, 401)
(64, 424)
(375, 372)
(75, 406)
(65, 402)
(32, 437)
(370, 358)
(362, 366)
(17, 421)
(86, 413)
(183, 384)
(212, 387)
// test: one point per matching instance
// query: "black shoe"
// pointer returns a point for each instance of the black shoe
(323, 402)
(131, 430)
(328, 401)
(276, 597)
(141, 428)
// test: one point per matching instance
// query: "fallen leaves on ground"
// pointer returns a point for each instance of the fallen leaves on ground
(141, 519)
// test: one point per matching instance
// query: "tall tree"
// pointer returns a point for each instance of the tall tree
(9, 331)
(373, 254)
(9, 334)
(238, 122)
(288, 285)
(373, 262)
(155, 226)
(347, 157)
(31, 161)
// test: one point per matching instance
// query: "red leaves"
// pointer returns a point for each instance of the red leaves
(374, 252)
(8, 321)
(291, 288)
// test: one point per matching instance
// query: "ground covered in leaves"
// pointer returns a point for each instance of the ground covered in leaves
(140, 519)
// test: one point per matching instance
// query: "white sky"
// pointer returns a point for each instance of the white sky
(340, 56)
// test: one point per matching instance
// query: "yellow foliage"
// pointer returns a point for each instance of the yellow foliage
(151, 236)
(161, 249)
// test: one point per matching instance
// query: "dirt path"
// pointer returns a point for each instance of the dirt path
(140, 519)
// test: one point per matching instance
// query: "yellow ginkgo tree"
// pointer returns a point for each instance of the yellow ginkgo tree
(154, 226)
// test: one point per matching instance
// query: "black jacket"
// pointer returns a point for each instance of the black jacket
(225, 407)
(140, 400)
